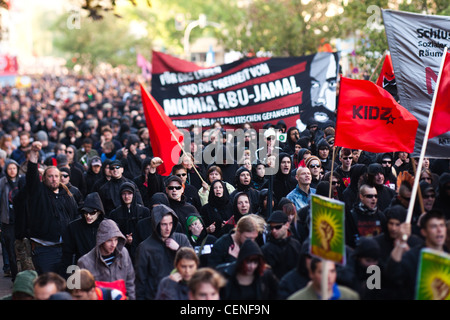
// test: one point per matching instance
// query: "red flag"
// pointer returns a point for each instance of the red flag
(162, 133)
(440, 122)
(370, 119)
(386, 76)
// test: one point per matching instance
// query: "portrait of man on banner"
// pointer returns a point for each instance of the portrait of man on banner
(323, 72)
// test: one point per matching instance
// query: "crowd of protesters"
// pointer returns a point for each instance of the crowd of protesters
(80, 187)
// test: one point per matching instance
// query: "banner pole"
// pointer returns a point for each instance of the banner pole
(424, 144)
(332, 169)
(378, 64)
(184, 152)
(324, 281)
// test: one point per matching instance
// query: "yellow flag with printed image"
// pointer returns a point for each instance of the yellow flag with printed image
(433, 275)
(327, 229)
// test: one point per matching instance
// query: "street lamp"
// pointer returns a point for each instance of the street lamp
(202, 22)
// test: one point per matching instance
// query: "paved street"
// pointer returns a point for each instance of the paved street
(5, 282)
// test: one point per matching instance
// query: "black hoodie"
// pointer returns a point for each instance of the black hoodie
(263, 287)
(154, 260)
(80, 236)
(126, 217)
(283, 183)
(248, 189)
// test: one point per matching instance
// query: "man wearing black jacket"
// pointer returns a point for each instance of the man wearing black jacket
(110, 191)
(51, 207)
(80, 236)
(281, 251)
(128, 214)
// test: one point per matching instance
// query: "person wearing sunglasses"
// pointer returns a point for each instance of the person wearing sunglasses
(81, 233)
(314, 165)
(281, 250)
(344, 169)
(177, 199)
(65, 179)
(376, 177)
(110, 191)
(190, 191)
(365, 219)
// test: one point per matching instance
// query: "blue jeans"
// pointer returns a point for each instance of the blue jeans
(47, 259)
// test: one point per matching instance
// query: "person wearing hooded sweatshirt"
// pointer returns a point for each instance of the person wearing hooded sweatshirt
(249, 277)
(81, 233)
(283, 181)
(292, 137)
(218, 210)
(131, 157)
(144, 226)
(155, 255)
(128, 214)
(109, 260)
(259, 179)
(9, 187)
(105, 176)
(376, 177)
(242, 182)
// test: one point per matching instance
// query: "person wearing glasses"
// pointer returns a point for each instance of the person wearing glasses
(376, 177)
(345, 168)
(314, 165)
(81, 233)
(110, 191)
(177, 199)
(65, 179)
(190, 191)
(365, 219)
(281, 250)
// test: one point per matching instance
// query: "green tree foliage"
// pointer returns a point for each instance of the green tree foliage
(89, 43)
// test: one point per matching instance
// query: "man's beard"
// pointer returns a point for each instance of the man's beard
(319, 113)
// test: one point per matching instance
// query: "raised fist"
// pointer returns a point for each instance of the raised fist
(326, 234)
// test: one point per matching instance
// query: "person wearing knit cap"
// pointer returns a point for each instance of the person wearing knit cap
(23, 286)
(200, 240)
(323, 153)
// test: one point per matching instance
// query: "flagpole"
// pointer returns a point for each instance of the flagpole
(425, 142)
(176, 139)
(184, 152)
(331, 175)
(378, 64)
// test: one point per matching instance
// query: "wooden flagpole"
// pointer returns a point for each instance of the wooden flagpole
(378, 64)
(424, 144)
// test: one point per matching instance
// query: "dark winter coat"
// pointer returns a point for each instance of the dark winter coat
(154, 260)
(81, 237)
(49, 212)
